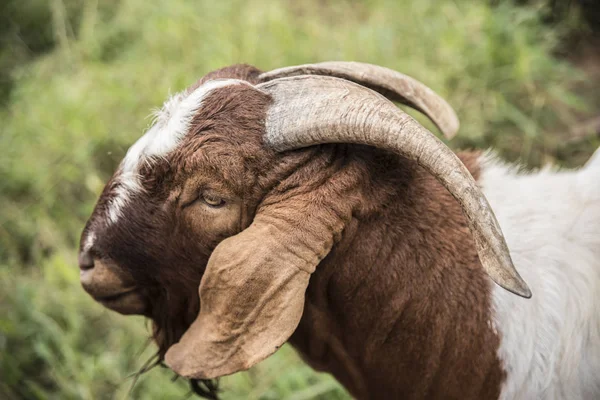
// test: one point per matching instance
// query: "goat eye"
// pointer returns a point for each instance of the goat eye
(212, 200)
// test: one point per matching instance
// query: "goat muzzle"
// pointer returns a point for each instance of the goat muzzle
(110, 286)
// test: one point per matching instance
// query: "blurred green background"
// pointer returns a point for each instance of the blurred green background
(78, 79)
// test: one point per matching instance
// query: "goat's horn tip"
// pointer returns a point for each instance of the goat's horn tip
(518, 286)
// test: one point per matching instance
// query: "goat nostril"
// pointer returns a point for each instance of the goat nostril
(85, 260)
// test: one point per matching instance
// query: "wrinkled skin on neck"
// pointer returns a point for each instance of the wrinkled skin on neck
(400, 307)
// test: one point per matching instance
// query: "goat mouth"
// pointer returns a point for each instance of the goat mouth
(115, 297)
(126, 302)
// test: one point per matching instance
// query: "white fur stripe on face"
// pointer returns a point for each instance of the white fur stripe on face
(171, 125)
(89, 242)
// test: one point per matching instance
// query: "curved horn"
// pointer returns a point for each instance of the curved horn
(310, 110)
(392, 84)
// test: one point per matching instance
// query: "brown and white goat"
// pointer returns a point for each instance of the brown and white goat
(302, 205)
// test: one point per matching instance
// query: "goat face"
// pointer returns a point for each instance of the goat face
(187, 184)
(198, 201)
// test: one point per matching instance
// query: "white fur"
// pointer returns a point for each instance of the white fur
(550, 344)
(172, 123)
(89, 242)
(594, 161)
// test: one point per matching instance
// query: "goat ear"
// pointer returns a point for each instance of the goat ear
(252, 293)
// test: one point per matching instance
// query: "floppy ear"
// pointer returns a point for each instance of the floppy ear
(252, 293)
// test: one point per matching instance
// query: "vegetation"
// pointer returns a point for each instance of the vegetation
(79, 78)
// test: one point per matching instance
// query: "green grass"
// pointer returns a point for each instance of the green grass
(73, 111)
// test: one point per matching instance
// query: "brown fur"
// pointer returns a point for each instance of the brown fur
(400, 307)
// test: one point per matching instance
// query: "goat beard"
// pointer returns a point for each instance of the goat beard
(171, 315)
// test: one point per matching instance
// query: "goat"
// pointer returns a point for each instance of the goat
(302, 205)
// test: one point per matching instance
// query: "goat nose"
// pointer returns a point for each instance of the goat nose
(86, 261)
